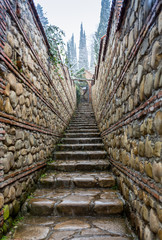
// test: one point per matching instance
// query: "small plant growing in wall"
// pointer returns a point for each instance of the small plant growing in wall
(31, 196)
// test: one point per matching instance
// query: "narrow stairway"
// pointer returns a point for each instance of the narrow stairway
(76, 198)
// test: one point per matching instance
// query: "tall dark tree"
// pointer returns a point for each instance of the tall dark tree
(71, 54)
(102, 27)
(83, 52)
(43, 19)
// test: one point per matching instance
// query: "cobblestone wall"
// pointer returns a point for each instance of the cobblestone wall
(127, 102)
(36, 103)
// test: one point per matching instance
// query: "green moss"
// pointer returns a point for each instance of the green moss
(4, 238)
(43, 175)
(1, 233)
(7, 225)
(16, 207)
(17, 220)
(5, 228)
(31, 196)
(115, 187)
(6, 213)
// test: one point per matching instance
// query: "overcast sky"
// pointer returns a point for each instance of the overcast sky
(68, 15)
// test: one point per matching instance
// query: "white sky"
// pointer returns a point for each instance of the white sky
(68, 15)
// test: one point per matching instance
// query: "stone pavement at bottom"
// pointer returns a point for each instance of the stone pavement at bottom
(77, 198)
(82, 228)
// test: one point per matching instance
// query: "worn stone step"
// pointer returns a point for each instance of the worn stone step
(79, 165)
(78, 117)
(81, 140)
(74, 228)
(94, 146)
(78, 155)
(87, 122)
(76, 130)
(76, 202)
(83, 121)
(82, 125)
(86, 109)
(85, 128)
(82, 135)
(78, 180)
(84, 115)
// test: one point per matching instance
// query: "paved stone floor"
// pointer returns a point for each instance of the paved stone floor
(77, 198)
(82, 228)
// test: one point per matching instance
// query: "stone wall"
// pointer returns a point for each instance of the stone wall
(127, 100)
(36, 103)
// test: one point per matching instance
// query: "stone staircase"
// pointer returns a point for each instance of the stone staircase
(76, 198)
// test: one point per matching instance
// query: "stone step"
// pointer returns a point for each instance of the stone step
(82, 125)
(87, 121)
(89, 110)
(81, 140)
(82, 120)
(76, 127)
(80, 155)
(76, 202)
(77, 180)
(84, 111)
(79, 165)
(78, 118)
(82, 135)
(75, 130)
(74, 228)
(84, 115)
(94, 146)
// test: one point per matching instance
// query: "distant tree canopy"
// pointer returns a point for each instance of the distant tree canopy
(102, 27)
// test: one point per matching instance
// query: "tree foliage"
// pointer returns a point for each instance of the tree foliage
(102, 27)
(43, 19)
(55, 38)
(54, 35)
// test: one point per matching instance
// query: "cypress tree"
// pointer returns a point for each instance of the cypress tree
(83, 53)
(71, 54)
